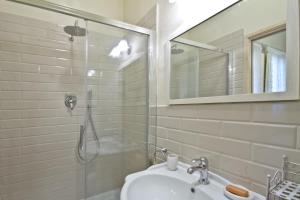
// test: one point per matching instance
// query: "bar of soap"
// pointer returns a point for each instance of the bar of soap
(237, 191)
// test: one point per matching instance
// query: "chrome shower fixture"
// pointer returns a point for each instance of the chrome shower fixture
(75, 31)
(81, 153)
(70, 101)
(175, 50)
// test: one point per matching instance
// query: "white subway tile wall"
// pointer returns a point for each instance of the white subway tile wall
(233, 43)
(243, 142)
(298, 137)
(135, 104)
(38, 135)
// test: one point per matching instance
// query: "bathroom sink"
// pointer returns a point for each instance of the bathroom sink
(160, 187)
(158, 183)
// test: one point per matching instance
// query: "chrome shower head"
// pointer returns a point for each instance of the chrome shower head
(75, 30)
(175, 50)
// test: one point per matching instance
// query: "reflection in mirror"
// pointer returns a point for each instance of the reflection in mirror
(198, 71)
(241, 50)
(268, 61)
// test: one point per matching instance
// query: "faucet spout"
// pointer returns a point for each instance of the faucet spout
(191, 170)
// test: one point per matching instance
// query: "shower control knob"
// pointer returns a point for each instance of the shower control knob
(70, 101)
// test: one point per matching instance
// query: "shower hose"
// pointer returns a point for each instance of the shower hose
(81, 153)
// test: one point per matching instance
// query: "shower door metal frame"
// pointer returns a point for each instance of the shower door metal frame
(83, 15)
(87, 16)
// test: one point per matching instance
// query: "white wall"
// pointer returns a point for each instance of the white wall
(113, 9)
(249, 15)
(135, 10)
(130, 11)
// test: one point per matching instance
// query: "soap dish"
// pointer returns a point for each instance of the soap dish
(235, 197)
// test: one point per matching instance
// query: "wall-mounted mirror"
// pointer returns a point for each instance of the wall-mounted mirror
(247, 52)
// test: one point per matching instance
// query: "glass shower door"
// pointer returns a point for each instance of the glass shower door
(51, 151)
(117, 79)
(40, 64)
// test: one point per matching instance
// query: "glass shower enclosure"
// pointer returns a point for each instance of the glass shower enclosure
(74, 102)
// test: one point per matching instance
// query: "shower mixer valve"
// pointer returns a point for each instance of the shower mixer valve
(70, 101)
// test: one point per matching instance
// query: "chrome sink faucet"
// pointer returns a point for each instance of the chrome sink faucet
(200, 165)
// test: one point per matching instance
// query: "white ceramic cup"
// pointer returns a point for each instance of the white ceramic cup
(172, 162)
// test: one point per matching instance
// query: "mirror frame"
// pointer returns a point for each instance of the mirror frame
(293, 65)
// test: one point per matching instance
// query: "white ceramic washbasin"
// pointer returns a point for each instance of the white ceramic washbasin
(158, 183)
(159, 187)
